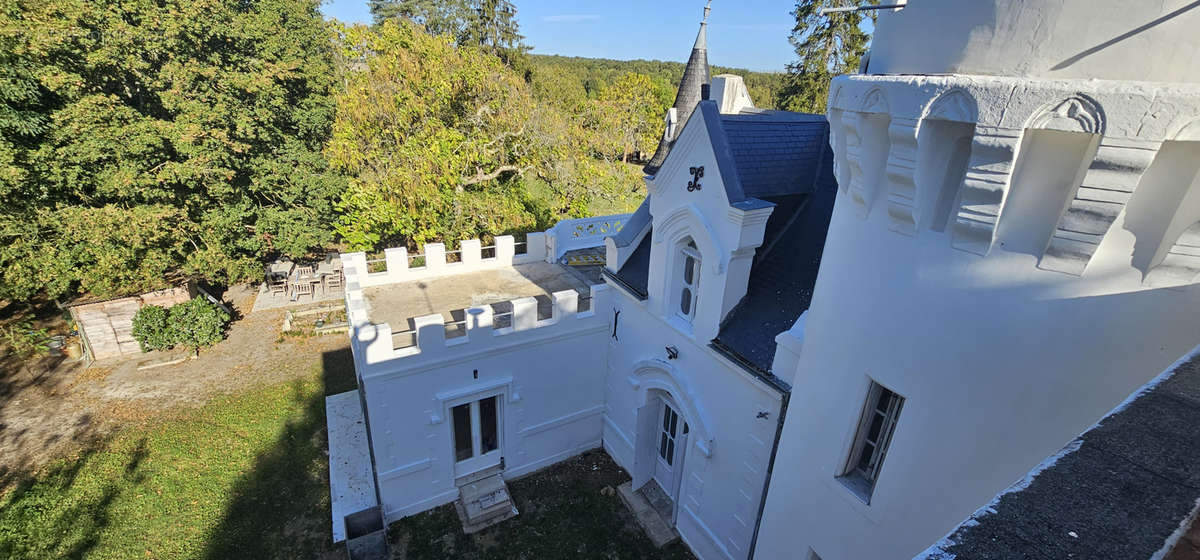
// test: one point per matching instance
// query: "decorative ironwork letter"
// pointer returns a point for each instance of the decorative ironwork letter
(697, 173)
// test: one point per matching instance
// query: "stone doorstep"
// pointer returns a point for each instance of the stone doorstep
(484, 503)
(470, 528)
(661, 532)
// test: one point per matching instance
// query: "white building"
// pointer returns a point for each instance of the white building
(1013, 252)
(501, 363)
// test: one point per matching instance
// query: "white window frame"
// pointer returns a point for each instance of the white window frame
(859, 479)
(686, 249)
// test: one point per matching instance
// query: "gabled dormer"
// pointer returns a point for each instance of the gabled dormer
(732, 211)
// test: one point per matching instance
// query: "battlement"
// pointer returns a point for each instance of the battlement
(398, 266)
(407, 311)
(433, 338)
(1059, 171)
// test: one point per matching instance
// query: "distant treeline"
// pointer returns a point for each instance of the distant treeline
(596, 74)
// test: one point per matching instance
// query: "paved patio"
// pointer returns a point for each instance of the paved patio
(266, 300)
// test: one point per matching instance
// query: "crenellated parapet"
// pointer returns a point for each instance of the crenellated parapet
(1041, 167)
(385, 350)
(397, 265)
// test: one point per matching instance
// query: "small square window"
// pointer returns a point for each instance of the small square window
(875, 429)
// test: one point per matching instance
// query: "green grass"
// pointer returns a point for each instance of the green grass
(568, 511)
(242, 477)
(247, 477)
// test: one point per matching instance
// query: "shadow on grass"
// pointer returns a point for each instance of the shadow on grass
(34, 523)
(281, 506)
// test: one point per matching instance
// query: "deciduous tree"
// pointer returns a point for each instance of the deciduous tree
(145, 139)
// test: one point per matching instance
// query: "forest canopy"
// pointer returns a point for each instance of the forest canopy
(148, 141)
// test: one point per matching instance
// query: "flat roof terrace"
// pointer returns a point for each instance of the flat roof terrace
(398, 304)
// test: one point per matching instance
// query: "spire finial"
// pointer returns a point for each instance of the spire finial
(707, 8)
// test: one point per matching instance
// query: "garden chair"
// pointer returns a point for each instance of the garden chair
(302, 288)
(306, 270)
(277, 287)
(333, 281)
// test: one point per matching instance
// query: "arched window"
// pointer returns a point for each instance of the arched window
(688, 279)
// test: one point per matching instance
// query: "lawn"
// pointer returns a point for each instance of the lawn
(568, 511)
(246, 476)
(242, 477)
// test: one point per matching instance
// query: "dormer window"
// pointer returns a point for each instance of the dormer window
(688, 279)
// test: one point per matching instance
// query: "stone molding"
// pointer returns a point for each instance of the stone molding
(1131, 120)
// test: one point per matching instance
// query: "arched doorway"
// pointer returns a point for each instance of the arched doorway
(662, 444)
(672, 437)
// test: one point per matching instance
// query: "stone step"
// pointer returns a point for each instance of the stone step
(659, 530)
(484, 503)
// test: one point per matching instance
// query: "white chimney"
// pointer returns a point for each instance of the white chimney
(730, 92)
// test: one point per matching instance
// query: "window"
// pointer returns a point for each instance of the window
(475, 428)
(689, 279)
(875, 430)
(670, 427)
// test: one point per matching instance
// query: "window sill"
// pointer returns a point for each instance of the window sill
(682, 325)
(858, 486)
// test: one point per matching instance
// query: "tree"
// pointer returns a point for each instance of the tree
(439, 17)
(826, 46)
(435, 137)
(638, 104)
(494, 27)
(489, 24)
(143, 140)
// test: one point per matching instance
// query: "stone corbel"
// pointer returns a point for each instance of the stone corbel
(854, 171)
(1106, 188)
(988, 170)
(901, 165)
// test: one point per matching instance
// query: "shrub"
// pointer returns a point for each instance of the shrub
(22, 340)
(198, 323)
(195, 323)
(151, 330)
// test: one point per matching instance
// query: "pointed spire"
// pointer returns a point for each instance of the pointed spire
(695, 75)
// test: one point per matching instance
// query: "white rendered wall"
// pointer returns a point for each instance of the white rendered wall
(551, 379)
(729, 446)
(728, 454)
(1001, 357)
(1115, 39)
(549, 375)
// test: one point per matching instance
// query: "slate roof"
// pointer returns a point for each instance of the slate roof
(635, 273)
(695, 75)
(785, 265)
(1119, 490)
(772, 154)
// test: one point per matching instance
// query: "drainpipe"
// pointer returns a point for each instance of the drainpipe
(762, 504)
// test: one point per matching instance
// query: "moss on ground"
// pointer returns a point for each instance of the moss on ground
(569, 510)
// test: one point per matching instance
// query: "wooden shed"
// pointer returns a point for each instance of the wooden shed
(106, 326)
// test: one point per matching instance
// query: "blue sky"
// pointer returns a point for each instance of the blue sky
(744, 34)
